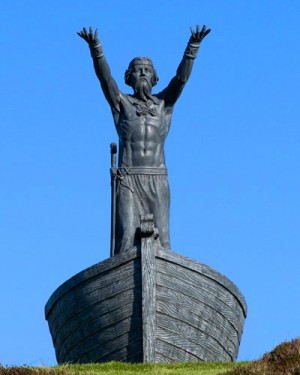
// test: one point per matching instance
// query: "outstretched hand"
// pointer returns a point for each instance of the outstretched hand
(90, 38)
(197, 36)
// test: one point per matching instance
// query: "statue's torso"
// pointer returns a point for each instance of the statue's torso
(142, 129)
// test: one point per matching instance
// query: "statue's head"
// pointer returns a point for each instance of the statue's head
(140, 67)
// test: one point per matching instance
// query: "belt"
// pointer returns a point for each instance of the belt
(120, 173)
(141, 171)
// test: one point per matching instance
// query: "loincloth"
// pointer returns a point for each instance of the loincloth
(141, 191)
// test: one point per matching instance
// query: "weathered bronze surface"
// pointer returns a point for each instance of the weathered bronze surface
(145, 303)
(142, 122)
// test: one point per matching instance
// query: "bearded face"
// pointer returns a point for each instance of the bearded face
(143, 88)
(141, 77)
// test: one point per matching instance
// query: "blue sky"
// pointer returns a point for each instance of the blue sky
(233, 153)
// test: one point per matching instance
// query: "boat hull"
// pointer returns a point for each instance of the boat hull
(146, 305)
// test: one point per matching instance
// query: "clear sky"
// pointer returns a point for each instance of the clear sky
(233, 153)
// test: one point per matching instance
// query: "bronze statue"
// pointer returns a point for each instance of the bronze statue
(146, 304)
(142, 121)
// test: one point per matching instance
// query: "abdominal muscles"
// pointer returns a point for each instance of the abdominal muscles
(144, 148)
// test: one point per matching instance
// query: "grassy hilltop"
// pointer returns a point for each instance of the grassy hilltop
(283, 360)
(117, 368)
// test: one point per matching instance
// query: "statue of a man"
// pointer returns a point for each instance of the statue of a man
(142, 121)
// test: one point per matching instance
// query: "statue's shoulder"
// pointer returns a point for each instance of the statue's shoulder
(158, 98)
(127, 98)
(161, 95)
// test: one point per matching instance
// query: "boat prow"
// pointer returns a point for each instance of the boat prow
(146, 304)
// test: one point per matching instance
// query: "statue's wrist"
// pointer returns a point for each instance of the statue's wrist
(191, 50)
(96, 50)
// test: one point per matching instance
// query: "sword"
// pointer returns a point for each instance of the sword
(113, 175)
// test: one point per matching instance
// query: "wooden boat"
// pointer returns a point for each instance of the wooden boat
(146, 304)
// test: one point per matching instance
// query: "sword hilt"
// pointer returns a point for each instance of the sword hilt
(113, 153)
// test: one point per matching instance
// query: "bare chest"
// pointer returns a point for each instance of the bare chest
(143, 119)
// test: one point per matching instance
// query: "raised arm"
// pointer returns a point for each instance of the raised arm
(172, 92)
(108, 84)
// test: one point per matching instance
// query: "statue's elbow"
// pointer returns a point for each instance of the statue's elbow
(182, 79)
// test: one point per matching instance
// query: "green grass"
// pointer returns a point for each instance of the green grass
(117, 368)
(284, 359)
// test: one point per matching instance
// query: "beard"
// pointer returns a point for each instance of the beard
(143, 90)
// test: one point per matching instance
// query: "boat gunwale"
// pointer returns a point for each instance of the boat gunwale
(88, 273)
(129, 255)
(203, 269)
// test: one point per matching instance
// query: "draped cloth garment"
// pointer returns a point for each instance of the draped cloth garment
(141, 191)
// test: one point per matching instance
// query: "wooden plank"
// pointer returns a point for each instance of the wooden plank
(190, 335)
(172, 353)
(81, 328)
(194, 325)
(115, 336)
(96, 310)
(105, 266)
(102, 280)
(193, 277)
(105, 299)
(191, 264)
(163, 358)
(184, 348)
(95, 291)
(110, 352)
(212, 300)
(148, 288)
(198, 311)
